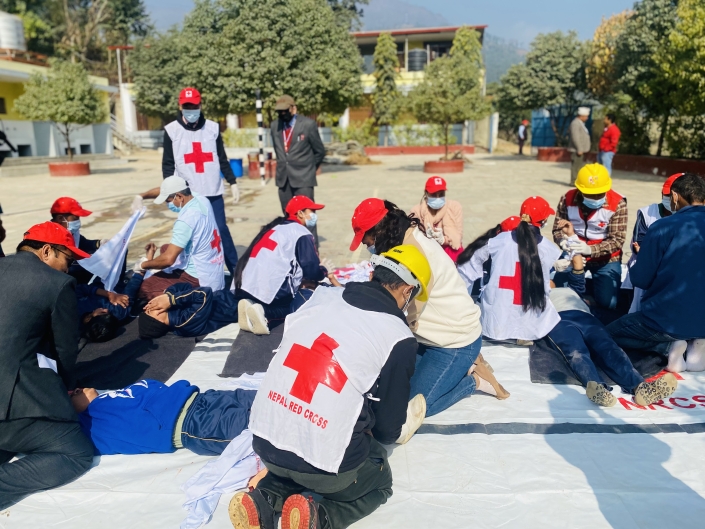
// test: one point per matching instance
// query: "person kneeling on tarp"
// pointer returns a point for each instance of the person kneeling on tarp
(195, 243)
(134, 420)
(585, 342)
(271, 271)
(337, 388)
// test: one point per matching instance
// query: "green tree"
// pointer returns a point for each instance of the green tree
(452, 89)
(294, 47)
(347, 12)
(601, 75)
(65, 97)
(159, 72)
(385, 98)
(638, 72)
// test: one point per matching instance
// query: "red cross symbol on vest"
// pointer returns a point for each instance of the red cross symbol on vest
(198, 157)
(513, 283)
(215, 243)
(265, 243)
(315, 366)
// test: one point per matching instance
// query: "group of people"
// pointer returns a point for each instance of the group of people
(358, 366)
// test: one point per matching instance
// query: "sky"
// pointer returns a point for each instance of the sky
(519, 20)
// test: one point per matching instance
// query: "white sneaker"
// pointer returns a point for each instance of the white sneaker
(415, 414)
(676, 363)
(242, 307)
(256, 319)
(695, 355)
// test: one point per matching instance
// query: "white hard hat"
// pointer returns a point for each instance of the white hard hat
(170, 185)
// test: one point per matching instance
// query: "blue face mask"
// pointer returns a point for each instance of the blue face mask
(311, 221)
(436, 203)
(173, 207)
(592, 203)
(371, 249)
(191, 115)
(666, 202)
(74, 225)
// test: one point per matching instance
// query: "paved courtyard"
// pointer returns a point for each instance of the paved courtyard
(490, 189)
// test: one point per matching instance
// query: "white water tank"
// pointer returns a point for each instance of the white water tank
(11, 32)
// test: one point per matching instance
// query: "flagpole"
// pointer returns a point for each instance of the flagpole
(260, 132)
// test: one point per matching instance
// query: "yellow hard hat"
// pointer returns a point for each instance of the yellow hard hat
(593, 179)
(414, 269)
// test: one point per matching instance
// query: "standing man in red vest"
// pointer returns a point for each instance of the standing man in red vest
(599, 217)
(194, 150)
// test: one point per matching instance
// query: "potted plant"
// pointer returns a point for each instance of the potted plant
(451, 92)
(66, 98)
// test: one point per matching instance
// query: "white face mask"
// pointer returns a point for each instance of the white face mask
(666, 202)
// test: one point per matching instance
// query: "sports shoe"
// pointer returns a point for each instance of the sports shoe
(695, 355)
(600, 395)
(649, 392)
(486, 382)
(256, 319)
(251, 510)
(676, 363)
(415, 414)
(300, 513)
(242, 306)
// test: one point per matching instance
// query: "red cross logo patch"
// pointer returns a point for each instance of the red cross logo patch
(601, 224)
(513, 283)
(315, 366)
(198, 157)
(265, 243)
(215, 243)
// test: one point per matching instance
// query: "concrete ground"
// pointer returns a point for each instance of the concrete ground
(490, 189)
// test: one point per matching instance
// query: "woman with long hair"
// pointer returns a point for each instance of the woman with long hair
(447, 325)
(515, 304)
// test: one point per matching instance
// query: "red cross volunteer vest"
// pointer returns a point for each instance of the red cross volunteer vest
(206, 250)
(330, 356)
(272, 261)
(196, 157)
(593, 230)
(503, 317)
(651, 214)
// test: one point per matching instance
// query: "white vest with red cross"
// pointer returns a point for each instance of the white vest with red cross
(272, 261)
(196, 157)
(330, 356)
(206, 250)
(503, 317)
(593, 229)
(651, 214)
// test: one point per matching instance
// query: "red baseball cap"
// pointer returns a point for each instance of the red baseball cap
(54, 233)
(668, 183)
(190, 95)
(366, 215)
(68, 206)
(435, 184)
(538, 209)
(300, 202)
(525, 122)
(510, 223)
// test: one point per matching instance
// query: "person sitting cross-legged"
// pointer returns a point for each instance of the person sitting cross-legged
(336, 389)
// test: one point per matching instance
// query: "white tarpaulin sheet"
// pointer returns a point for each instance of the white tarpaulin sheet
(450, 478)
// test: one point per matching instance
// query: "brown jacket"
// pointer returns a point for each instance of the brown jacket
(449, 218)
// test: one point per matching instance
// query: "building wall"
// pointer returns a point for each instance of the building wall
(10, 92)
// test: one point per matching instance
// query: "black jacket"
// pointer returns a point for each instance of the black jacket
(306, 153)
(169, 165)
(382, 419)
(38, 314)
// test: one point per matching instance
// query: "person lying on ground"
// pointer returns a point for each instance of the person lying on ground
(446, 323)
(645, 217)
(515, 304)
(442, 219)
(39, 336)
(336, 390)
(102, 312)
(670, 271)
(151, 417)
(195, 251)
(279, 260)
(585, 344)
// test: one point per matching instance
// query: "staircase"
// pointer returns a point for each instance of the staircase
(122, 140)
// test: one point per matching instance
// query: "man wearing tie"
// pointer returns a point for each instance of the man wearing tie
(299, 151)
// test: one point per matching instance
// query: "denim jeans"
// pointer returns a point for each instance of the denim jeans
(441, 375)
(605, 158)
(56, 452)
(229, 251)
(632, 331)
(584, 343)
(606, 281)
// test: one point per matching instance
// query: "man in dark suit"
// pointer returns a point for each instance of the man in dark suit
(39, 337)
(299, 152)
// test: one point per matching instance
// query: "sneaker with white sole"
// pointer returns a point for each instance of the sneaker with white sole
(256, 319)
(600, 395)
(415, 414)
(242, 306)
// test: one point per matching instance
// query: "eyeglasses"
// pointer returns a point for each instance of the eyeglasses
(69, 257)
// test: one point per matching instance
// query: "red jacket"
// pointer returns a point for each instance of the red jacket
(610, 138)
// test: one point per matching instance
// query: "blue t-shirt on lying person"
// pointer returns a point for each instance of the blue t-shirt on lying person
(138, 419)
